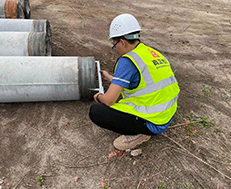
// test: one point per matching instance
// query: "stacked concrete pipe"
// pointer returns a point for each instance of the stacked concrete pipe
(21, 37)
(24, 44)
(15, 9)
(25, 25)
(27, 79)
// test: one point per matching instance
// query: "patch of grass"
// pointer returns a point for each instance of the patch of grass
(202, 105)
(189, 130)
(224, 96)
(201, 132)
(103, 135)
(206, 122)
(206, 91)
(217, 129)
(161, 186)
(195, 125)
(217, 111)
(40, 179)
(188, 186)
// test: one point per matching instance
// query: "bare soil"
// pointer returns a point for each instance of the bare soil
(55, 145)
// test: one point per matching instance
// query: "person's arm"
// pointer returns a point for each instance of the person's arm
(110, 97)
(124, 74)
(106, 76)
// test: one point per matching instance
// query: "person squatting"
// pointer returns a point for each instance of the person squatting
(147, 83)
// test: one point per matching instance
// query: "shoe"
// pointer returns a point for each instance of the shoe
(129, 141)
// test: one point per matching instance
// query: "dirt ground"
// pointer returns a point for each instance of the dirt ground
(54, 144)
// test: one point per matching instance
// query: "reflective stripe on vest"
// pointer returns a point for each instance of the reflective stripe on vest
(153, 109)
(153, 87)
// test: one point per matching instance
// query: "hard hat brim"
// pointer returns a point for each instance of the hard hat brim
(123, 34)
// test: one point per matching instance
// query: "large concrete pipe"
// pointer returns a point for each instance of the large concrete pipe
(26, 79)
(25, 44)
(14, 9)
(25, 25)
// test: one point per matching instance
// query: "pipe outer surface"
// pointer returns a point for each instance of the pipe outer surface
(25, 25)
(31, 79)
(25, 44)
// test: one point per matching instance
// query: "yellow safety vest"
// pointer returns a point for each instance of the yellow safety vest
(155, 98)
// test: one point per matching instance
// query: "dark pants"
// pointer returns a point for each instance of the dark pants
(117, 121)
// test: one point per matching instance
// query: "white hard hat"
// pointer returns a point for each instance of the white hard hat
(122, 25)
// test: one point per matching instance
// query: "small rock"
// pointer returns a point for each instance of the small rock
(76, 178)
(1, 181)
(128, 150)
(136, 152)
(0, 187)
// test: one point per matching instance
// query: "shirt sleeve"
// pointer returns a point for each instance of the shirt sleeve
(126, 74)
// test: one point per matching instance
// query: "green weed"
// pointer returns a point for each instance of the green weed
(202, 105)
(195, 125)
(206, 91)
(40, 179)
(103, 135)
(217, 129)
(217, 111)
(161, 186)
(206, 122)
(188, 186)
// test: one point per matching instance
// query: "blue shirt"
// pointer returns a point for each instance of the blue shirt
(127, 75)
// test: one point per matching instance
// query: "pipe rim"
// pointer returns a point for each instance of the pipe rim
(87, 76)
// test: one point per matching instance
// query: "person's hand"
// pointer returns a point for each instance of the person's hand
(97, 95)
(110, 97)
(106, 76)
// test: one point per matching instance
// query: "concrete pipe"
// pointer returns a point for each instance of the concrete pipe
(27, 79)
(25, 44)
(25, 25)
(14, 9)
